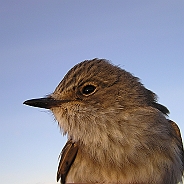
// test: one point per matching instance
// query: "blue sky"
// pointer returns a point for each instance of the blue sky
(41, 40)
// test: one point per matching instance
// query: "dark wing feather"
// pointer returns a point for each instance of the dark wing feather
(161, 108)
(67, 158)
(178, 139)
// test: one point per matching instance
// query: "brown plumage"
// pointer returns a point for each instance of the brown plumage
(117, 131)
(67, 158)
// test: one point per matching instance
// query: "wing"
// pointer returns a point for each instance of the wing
(67, 158)
(178, 139)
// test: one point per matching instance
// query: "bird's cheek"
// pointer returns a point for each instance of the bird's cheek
(66, 110)
(59, 111)
(61, 116)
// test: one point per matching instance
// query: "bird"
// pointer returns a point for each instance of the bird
(117, 131)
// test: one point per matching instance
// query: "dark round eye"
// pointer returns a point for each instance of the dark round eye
(87, 90)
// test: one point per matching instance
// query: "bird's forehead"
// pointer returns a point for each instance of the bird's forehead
(93, 71)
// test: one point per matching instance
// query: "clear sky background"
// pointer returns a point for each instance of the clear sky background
(40, 40)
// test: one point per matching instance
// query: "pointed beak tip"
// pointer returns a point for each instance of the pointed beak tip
(25, 102)
(46, 103)
(40, 102)
(31, 102)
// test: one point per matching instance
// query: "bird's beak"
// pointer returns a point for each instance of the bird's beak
(46, 103)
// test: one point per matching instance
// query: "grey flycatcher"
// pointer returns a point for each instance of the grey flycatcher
(117, 132)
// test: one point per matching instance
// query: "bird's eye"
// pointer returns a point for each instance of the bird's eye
(88, 90)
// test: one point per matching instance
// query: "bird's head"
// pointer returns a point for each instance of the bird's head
(93, 93)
